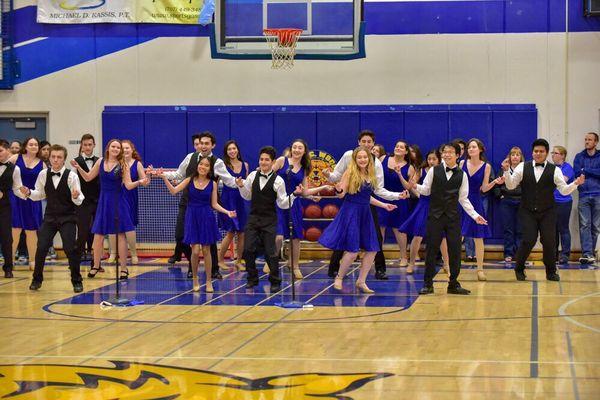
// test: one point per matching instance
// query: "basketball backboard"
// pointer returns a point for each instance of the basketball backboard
(331, 29)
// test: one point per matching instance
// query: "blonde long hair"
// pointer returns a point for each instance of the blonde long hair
(356, 177)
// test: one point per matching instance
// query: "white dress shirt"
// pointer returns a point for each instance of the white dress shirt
(89, 163)
(39, 193)
(379, 189)
(17, 182)
(219, 169)
(463, 192)
(278, 186)
(512, 179)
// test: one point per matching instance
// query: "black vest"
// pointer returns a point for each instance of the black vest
(263, 201)
(444, 192)
(60, 203)
(91, 189)
(6, 184)
(538, 196)
(189, 171)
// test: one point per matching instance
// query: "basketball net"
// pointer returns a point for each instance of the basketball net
(282, 42)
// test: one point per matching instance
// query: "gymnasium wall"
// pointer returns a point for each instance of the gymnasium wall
(539, 52)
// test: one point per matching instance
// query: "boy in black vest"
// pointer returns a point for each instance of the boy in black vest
(204, 143)
(10, 179)
(91, 191)
(61, 188)
(264, 188)
(537, 212)
(446, 185)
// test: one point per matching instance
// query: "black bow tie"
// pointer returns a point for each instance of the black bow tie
(4, 164)
(54, 174)
(451, 169)
(263, 175)
(537, 164)
(86, 159)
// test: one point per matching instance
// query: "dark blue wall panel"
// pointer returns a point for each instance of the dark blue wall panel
(428, 129)
(337, 132)
(512, 128)
(215, 122)
(288, 126)
(471, 124)
(123, 125)
(165, 142)
(252, 130)
(387, 125)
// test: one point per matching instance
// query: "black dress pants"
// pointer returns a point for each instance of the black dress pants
(436, 228)
(532, 224)
(261, 235)
(85, 219)
(6, 237)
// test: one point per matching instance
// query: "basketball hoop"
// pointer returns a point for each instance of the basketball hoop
(282, 42)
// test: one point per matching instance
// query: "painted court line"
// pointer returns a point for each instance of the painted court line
(562, 311)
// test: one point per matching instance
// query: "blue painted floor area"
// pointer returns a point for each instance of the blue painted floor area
(169, 286)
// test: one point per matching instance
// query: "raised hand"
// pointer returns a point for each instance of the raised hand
(397, 168)
(481, 221)
(74, 193)
(390, 207)
(506, 164)
(74, 164)
(580, 180)
(144, 181)
(239, 182)
(499, 180)
(299, 190)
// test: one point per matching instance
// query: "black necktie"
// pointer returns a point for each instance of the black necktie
(451, 169)
(86, 159)
(54, 174)
(539, 164)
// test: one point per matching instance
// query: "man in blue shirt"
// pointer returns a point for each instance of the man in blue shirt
(588, 163)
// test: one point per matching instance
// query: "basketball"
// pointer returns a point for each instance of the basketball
(313, 234)
(312, 211)
(330, 211)
(328, 191)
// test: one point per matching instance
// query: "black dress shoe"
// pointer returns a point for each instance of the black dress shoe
(426, 290)
(553, 277)
(78, 287)
(275, 287)
(216, 275)
(458, 290)
(251, 284)
(35, 285)
(173, 259)
(189, 274)
(381, 276)
(8, 274)
(520, 275)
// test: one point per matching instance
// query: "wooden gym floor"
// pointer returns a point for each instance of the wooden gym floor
(507, 340)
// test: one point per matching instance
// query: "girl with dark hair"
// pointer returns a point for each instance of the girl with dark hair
(27, 214)
(510, 201)
(398, 171)
(294, 170)
(477, 171)
(114, 173)
(136, 170)
(378, 151)
(200, 225)
(231, 199)
(416, 224)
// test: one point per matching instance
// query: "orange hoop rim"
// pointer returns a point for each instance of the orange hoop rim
(286, 36)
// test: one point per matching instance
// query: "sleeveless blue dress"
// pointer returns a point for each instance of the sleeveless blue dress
(416, 224)
(27, 214)
(200, 222)
(353, 228)
(132, 195)
(112, 199)
(470, 228)
(232, 200)
(395, 218)
(294, 179)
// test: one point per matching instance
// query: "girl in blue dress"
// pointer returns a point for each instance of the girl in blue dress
(114, 174)
(231, 199)
(136, 171)
(294, 169)
(397, 172)
(416, 223)
(478, 171)
(201, 229)
(353, 228)
(27, 214)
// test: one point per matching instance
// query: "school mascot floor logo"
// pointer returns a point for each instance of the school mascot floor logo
(148, 381)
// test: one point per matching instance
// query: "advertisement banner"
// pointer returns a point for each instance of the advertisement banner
(118, 11)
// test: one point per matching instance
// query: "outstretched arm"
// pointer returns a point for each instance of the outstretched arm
(176, 189)
(93, 172)
(214, 202)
